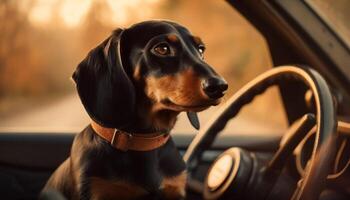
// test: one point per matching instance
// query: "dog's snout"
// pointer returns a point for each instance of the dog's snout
(214, 87)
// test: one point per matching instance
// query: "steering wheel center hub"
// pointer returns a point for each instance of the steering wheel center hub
(219, 172)
(229, 174)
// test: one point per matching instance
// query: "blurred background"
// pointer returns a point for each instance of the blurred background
(42, 41)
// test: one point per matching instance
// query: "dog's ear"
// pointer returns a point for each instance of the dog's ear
(104, 87)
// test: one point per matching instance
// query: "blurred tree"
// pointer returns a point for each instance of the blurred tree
(14, 29)
(93, 30)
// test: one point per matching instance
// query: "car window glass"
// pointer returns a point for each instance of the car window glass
(336, 14)
(41, 43)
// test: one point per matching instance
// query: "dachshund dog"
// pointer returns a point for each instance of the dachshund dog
(133, 85)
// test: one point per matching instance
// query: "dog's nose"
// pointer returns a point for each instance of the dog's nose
(214, 87)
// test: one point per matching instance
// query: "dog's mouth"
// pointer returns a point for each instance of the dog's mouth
(193, 108)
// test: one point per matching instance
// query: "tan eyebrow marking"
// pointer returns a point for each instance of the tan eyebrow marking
(173, 38)
(197, 40)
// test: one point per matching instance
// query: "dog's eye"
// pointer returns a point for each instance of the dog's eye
(201, 49)
(162, 49)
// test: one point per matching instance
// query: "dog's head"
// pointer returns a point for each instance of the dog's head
(155, 61)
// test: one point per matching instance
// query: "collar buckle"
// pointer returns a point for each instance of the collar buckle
(121, 140)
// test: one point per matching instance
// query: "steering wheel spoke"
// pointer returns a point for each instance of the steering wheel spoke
(296, 132)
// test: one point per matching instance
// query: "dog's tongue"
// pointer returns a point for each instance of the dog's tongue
(192, 116)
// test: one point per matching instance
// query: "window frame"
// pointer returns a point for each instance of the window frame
(297, 35)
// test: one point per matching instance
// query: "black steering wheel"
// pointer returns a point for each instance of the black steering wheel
(238, 174)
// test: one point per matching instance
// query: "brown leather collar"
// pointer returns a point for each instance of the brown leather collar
(130, 141)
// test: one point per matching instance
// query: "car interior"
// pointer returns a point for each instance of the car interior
(308, 160)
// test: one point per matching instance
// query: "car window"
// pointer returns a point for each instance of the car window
(335, 14)
(41, 43)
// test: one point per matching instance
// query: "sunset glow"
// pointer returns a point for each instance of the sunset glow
(72, 13)
(123, 10)
(41, 12)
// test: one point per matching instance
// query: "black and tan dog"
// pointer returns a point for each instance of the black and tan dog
(133, 86)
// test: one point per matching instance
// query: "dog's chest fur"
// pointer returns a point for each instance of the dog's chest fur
(96, 158)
